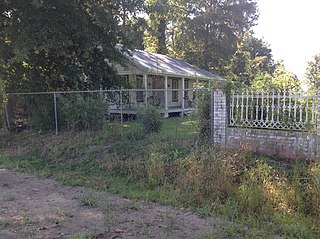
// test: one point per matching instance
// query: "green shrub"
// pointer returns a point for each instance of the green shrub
(82, 112)
(151, 119)
(31, 111)
(42, 113)
(312, 190)
(135, 132)
(203, 114)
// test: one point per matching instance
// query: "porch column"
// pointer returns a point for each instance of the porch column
(145, 80)
(183, 96)
(197, 91)
(166, 97)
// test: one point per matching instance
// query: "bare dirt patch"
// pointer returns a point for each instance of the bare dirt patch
(31, 207)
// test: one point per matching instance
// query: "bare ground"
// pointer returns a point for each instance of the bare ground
(31, 207)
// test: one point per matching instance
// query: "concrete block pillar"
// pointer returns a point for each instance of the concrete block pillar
(318, 117)
(218, 115)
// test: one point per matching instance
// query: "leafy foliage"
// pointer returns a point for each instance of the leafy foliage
(281, 79)
(205, 33)
(63, 45)
(131, 25)
(82, 112)
(203, 114)
(313, 72)
(151, 119)
(253, 58)
(57, 45)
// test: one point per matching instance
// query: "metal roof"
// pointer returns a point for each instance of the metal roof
(162, 64)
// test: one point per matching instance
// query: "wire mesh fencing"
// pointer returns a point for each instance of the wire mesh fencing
(91, 110)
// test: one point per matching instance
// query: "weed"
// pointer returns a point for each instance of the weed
(138, 222)
(28, 221)
(62, 213)
(130, 205)
(88, 200)
(256, 195)
(172, 220)
(3, 224)
(109, 217)
(9, 197)
(78, 237)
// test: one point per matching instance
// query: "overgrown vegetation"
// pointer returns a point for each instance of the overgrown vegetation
(82, 112)
(151, 119)
(203, 114)
(41, 111)
(267, 197)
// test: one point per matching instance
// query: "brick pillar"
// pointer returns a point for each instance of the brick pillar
(218, 115)
(318, 119)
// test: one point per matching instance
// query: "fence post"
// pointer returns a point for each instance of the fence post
(55, 111)
(7, 116)
(166, 114)
(211, 117)
(218, 115)
(121, 114)
(145, 81)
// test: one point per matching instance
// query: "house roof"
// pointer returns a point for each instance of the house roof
(167, 65)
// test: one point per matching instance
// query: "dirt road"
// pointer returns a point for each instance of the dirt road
(32, 207)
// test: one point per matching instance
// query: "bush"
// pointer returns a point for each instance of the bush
(151, 119)
(42, 109)
(31, 111)
(203, 114)
(135, 132)
(83, 112)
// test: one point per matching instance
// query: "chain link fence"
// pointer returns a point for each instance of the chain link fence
(91, 110)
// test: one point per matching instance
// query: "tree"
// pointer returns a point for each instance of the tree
(252, 58)
(213, 31)
(281, 79)
(132, 22)
(313, 72)
(159, 12)
(57, 45)
(203, 32)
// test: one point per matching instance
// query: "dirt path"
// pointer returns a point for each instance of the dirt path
(43, 208)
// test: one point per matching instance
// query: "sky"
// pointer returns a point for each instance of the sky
(292, 28)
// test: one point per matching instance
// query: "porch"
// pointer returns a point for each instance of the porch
(172, 95)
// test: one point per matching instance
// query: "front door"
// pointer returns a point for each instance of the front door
(174, 90)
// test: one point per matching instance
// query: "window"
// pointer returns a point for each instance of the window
(174, 92)
(125, 81)
(140, 97)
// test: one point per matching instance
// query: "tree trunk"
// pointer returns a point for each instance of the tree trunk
(162, 47)
(206, 48)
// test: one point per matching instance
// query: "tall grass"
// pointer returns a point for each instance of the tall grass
(280, 198)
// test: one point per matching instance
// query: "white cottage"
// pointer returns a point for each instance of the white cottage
(162, 81)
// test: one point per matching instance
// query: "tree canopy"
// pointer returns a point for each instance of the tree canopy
(280, 79)
(50, 45)
(313, 72)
